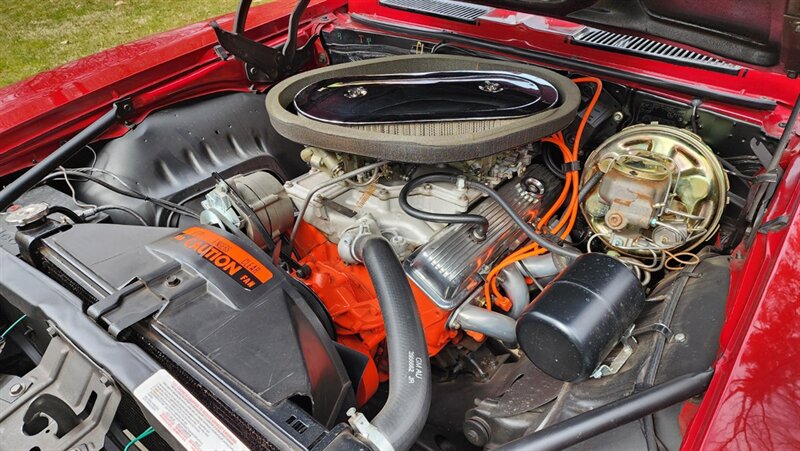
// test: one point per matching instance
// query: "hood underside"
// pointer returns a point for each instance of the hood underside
(762, 33)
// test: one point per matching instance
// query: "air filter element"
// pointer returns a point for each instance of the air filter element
(422, 108)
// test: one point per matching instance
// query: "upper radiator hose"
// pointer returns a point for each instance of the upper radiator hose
(400, 422)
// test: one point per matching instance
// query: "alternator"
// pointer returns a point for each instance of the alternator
(260, 193)
(662, 188)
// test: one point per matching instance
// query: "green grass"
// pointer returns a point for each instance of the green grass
(42, 34)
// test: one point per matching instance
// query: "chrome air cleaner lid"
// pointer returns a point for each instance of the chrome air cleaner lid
(425, 97)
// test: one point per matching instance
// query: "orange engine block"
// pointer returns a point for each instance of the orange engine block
(347, 292)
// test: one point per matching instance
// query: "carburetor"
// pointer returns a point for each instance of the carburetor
(654, 188)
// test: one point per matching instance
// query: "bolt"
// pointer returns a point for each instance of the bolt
(303, 272)
(16, 390)
(472, 436)
(477, 431)
(351, 411)
(615, 220)
(173, 281)
(322, 58)
(680, 338)
(618, 116)
(478, 234)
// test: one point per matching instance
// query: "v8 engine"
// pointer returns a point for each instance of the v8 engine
(375, 236)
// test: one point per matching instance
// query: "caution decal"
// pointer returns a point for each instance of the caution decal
(229, 258)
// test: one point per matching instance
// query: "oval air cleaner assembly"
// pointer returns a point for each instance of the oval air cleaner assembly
(422, 108)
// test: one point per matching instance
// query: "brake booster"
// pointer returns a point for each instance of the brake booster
(654, 188)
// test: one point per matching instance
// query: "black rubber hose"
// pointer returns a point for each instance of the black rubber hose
(122, 208)
(469, 218)
(447, 218)
(66, 212)
(594, 422)
(589, 185)
(35, 174)
(403, 416)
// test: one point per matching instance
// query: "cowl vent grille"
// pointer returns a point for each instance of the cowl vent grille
(448, 9)
(649, 48)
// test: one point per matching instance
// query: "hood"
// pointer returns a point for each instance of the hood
(763, 32)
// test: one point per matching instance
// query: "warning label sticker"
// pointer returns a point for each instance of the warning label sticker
(189, 422)
(229, 258)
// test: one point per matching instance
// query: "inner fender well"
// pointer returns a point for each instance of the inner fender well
(172, 153)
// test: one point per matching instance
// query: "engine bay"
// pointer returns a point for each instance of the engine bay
(439, 251)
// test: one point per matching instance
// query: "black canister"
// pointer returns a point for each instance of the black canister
(580, 316)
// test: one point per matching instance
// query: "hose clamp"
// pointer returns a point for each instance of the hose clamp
(351, 241)
(364, 430)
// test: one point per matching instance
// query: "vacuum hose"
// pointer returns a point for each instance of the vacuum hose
(403, 416)
(478, 220)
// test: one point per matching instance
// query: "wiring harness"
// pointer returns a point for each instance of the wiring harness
(567, 220)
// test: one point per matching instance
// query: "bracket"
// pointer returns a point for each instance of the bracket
(264, 64)
(65, 402)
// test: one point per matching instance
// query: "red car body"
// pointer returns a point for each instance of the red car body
(754, 398)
